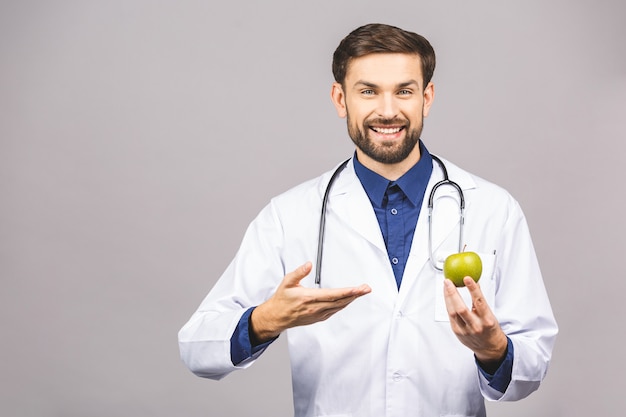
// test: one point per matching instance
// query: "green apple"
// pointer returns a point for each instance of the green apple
(461, 265)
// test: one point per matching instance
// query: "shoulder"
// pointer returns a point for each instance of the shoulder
(485, 195)
(304, 198)
(468, 180)
(312, 189)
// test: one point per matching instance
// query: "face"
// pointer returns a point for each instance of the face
(385, 104)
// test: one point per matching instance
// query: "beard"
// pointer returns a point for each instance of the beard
(391, 152)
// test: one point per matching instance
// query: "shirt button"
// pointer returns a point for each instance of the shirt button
(394, 261)
(394, 211)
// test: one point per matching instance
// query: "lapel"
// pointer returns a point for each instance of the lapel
(350, 202)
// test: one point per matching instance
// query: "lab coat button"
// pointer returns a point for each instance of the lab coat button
(396, 377)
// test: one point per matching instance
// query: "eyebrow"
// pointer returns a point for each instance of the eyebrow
(372, 85)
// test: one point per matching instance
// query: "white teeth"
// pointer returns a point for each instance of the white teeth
(387, 131)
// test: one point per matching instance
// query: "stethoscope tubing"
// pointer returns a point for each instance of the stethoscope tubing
(446, 181)
(322, 228)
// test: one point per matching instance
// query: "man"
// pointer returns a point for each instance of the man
(386, 334)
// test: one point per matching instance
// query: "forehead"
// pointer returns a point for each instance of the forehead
(384, 68)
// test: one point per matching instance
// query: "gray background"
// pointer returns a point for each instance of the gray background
(139, 138)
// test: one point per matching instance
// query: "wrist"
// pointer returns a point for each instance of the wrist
(491, 359)
(261, 328)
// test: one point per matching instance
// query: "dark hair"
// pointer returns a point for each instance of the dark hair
(380, 38)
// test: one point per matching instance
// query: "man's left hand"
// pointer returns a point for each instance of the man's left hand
(478, 328)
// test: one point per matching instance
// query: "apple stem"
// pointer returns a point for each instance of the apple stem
(464, 246)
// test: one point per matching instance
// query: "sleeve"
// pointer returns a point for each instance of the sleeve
(241, 347)
(530, 326)
(250, 279)
(501, 378)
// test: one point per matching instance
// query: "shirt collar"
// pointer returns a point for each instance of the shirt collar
(413, 183)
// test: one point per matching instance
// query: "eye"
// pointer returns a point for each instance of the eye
(405, 92)
(367, 92)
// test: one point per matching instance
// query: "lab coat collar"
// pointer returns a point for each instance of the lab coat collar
(352, 204)
(349, 199)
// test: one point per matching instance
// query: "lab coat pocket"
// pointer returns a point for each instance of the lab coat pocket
(486, 282)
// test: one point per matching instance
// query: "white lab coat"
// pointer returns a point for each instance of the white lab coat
(391, 352)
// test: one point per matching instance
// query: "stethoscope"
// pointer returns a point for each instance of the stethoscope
(431, 198)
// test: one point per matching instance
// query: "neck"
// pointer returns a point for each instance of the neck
(390, 171)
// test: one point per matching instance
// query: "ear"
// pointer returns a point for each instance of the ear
(339, 99)
(429, 97)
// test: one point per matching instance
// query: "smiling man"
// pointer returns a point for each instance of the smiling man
(385, 101)
(383, 333)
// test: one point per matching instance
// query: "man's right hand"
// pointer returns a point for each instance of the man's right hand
(294, 305)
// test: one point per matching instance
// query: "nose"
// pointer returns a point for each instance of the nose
(387, 106)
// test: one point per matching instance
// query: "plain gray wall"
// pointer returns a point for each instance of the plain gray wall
(139, 138)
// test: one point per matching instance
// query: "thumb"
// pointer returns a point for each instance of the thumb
(293, 278)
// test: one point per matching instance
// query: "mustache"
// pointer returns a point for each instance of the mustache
(387, 122)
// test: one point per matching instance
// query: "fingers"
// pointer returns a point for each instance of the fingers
(295, 305)
(457, 310)
(293, 278)
(478, 328)
(332, 295)
(318, 298)
(454, 301)
(342, 296)
(315, 302)
(479, 305)
(453, 298)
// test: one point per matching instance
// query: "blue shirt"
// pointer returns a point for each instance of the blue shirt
(397, 207)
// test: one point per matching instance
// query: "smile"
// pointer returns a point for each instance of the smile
(386, 130)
